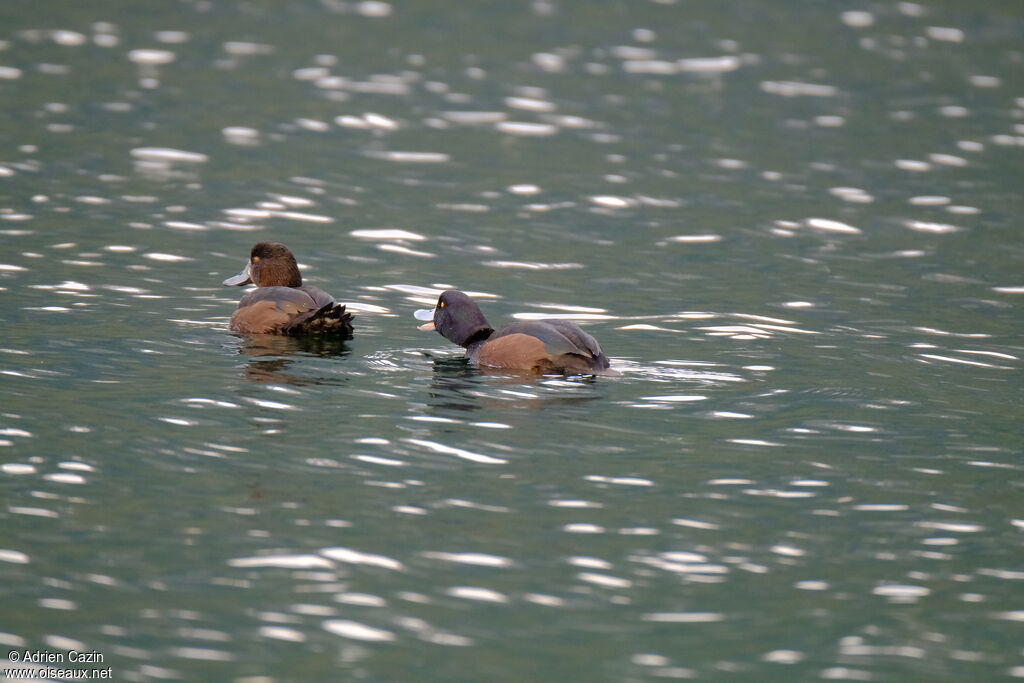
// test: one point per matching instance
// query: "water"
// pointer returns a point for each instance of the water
(795, 231)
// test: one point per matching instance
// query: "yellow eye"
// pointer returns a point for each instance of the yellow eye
(255, 259)
(441, 305)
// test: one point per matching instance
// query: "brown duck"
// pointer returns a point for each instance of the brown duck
(544, 346)
(280, 304)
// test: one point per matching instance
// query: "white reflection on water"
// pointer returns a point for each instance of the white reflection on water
(387, 234)
(829, 225)
(684, 617)
(399, 249)
(357, 631)
(283, 561)
(13, 556)
(477, 593)
(350, 556)
(476, 559)
(524, 128)
(457, 452)
(604, 580)
(532, 265)
(282, 633)
(167, 154)
(412, 157)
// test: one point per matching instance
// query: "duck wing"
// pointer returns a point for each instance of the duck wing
(291, 297)
(319, 297)
(290, 310)
(560, 337)
(578, 337)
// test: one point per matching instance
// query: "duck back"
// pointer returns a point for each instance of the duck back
(290, 310)
(543, 346)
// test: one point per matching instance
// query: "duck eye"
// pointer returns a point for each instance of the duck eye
(441, 305)
(255, 259)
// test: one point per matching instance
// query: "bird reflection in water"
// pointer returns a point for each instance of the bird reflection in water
(459, 385)
(272, 354)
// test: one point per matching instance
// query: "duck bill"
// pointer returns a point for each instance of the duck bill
(242, 278)
(425, 314)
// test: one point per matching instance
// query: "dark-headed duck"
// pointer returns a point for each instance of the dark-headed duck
(280, 304)
(543, 346)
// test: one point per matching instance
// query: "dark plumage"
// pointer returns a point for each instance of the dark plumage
(280, 304)
(543, 346)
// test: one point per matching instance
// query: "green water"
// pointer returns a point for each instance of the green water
(794, 227)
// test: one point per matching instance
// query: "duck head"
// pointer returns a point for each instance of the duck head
(270, 265)
(457, 318)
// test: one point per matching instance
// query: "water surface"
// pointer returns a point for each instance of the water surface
(794, 229)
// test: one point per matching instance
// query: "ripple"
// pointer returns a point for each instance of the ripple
(857, 18)
(17, 468)
(697, 524)
(33, 512)
(349, 556)
(476, 559)
(959, 528)
(475, 117)
(282, 561)
(282, 633)
(526, 129)
(151, 56)
(619, 481)
(684, 617)
(477, 593)
(828, 225)
(274, 405)
(168, 154)
(457, 452)
(723, 64)
(13, 556)
(604, 580)
(523, 189)
(929, 200)
(675, 398)
(568, 315)
(852, 194)
(912, 165)
(798, 89)
(65, 478)
(202, 654)
(945, 34)
(962, 361)
(1014, 615)
(363, 599)
(399, 249)
(532, 265)
(412, 157)
(387, 234)
(167, 258)
(355, 630)
(901, 591)
(611, 201)
(695, 239)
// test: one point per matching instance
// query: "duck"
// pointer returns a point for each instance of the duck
(537, 346)
(280, 304)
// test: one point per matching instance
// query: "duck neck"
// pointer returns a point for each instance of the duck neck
(476, 340)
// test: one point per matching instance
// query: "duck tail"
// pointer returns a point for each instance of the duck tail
(331, 319)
